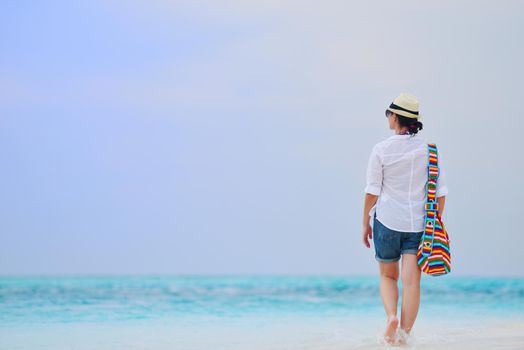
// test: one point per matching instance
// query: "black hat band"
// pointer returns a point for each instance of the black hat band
(394, 106)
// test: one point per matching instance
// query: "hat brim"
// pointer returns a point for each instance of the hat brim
(404, 113)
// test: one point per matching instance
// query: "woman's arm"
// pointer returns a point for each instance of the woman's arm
(441, 200)
(369, 202)
(372, 190)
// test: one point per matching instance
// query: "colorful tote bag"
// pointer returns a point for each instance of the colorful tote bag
(434, 257)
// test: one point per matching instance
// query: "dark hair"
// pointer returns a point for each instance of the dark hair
(413, 125)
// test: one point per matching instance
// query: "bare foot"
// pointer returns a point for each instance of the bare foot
(390, 329)
(401, 341)
(402, 337)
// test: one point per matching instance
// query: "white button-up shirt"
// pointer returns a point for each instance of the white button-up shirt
(397, 172)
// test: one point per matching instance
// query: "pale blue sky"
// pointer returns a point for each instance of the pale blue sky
(232, 136)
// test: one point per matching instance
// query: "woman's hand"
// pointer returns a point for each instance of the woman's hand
(367, 235)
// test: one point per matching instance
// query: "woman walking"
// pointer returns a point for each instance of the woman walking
(395, 197)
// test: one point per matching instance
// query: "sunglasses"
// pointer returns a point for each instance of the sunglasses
(388, 113)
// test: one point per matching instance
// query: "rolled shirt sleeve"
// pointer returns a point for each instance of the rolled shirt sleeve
(442, 185)
(374, 173)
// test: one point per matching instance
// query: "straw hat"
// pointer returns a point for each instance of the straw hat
(405, 105)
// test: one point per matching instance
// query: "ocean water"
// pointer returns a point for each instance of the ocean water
(251, 312)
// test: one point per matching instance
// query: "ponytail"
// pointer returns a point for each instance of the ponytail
(413, 124)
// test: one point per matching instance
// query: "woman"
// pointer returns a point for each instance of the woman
(395, 197)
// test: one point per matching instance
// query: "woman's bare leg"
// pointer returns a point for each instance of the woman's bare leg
(389, 293)
(410, 291)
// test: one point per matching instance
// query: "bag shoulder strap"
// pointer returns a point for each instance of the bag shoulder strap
(431, 207)
(433, 173)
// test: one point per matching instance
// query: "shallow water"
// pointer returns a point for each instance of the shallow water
(250, 312)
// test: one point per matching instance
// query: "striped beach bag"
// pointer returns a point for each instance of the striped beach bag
(433, 256)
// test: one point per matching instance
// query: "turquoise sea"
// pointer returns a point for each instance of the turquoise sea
(250, 312)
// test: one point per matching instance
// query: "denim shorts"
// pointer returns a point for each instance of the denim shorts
(390, 244)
